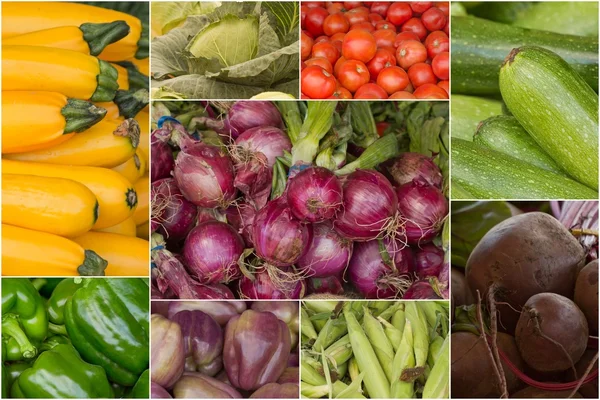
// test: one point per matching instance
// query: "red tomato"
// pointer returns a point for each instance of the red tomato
(314, 20)
(313, 4)
(349, 5)
(447, 27)
(444, 6)
(303, 10)
(409, 88)
(445, 85)
(380, 7)
(420, 7)
(341, 93)
(360, 14)
(366, 26)
(416, 26)
(317, 83)
(399, 13)
(322, 39)
(335, 23)
(391, 49)
(392, 79)
(430, 91)
(338, 45)
(385, 25)
(402, 96)
(353, 74)
(383, 58)
(321, 62)
(374, 18)
(338, 64)
(306, 44)
(402, 36)
(326, 50)
(436, 43)
(410, 52)
(337, 36)
(433, 19)
(333, 8)
(420, 74)
(384, 37)
(440, 65)
(359, 45)
(370, 91)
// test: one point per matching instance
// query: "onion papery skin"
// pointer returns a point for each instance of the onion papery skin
(409, 166)
(211, 252)
(264, 288)
(369, 204)
(328, 253)
(423, 209)
(314, 194)
(244, 115)
(162, 161)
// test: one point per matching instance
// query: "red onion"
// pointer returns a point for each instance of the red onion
(209, 214)
(328, 252)
(429, 259)
(409, 166)
(241, 217)
(212, 250)
(279, 238)
(161, 154)
(204, 174)
(268, 284)
(244, 115)
(423, 209)
(329, 284)
(370, 203)
(381, 277)
(420, 290)
(255, 152)
(314, 194)
(174, 215)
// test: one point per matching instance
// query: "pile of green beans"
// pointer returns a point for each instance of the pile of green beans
(374, 349)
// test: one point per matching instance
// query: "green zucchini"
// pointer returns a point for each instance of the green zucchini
(504, 134)
(479, 47)
(501, 11)
(488, 174)
(469, 111)
(569, 17)
(556, 107)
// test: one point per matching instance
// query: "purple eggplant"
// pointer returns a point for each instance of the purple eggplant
(256, 350)
(221, 311)
(276, 391)
(290, 375)
(167, 357)
(202, 341)
(194, 385)
(158, 392)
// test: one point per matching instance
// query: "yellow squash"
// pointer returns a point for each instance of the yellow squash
(143, 230)
(126, 255)
(87, 39)
(142, 65)
(106, 144)
(123, 77)
(55, 205)
(142, 212)
(23, 17)
(116, 197)
(45, 69)
(112, 110)
(32, 253)
(34, 120)
(126, 228)
(132, 169)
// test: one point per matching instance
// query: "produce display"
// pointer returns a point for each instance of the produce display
(541, 141)
(524, 299)
(375, 50)
(262, 200)
(224, 349)
(225, 50)
(375, 349)
(75, 139)
(75, 338)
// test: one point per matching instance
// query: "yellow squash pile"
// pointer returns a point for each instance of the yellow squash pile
(75, 141)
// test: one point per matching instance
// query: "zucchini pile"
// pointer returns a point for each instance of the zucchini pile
(75, 140)
(525, 111)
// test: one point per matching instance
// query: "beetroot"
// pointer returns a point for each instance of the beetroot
(531, 392)
(586, 294)
(552, 332)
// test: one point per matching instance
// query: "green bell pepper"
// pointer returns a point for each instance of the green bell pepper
(108, 323)
(62, 292)
(61, 373)
(53, 341)
(10, 373)
(141, 390)
(24, 319)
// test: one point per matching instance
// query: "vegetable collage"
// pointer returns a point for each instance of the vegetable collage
(286, 200)
(75, 143)
(75, 338)
(525, 122)
(375, 50)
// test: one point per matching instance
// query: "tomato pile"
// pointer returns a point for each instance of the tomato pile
(375, 50)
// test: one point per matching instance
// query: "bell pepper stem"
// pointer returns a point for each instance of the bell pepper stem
(57, 329)
(12, 328)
